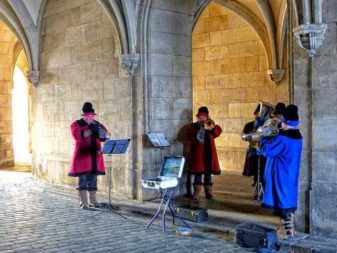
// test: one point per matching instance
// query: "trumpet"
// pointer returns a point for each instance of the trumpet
(209, 124)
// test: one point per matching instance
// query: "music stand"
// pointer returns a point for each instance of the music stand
(158, 140)
(114, 147)
(258, 189)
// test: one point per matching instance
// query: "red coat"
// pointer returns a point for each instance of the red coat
(199, 151)
(87, 157)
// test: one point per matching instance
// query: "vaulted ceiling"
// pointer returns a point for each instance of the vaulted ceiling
(267, 17)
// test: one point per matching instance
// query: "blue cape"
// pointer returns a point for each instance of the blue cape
(283, 154)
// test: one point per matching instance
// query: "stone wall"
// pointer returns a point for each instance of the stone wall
(230, 77)
(79, 62)
(7, 42)
(167, 82)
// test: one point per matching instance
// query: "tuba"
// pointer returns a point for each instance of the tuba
(209, 124)
(266, 111)
(269, 129)
(265, 125)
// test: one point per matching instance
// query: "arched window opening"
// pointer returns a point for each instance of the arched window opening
(229, 76)
(20, 116)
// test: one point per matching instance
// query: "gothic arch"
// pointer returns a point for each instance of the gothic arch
(113, 10)
(246, 15)
(281, 35)
(124, 16)
(16, 15)
(271, 30)
(8, 16)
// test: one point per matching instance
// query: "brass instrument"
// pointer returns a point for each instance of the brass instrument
(269, 129)
(209, 124)
(266, 110)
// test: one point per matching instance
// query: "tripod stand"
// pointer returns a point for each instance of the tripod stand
(168, 201)
(109, 148)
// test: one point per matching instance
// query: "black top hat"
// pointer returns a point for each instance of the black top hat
(87, 108)
(279, 108)
(291, 113)
(202, 109)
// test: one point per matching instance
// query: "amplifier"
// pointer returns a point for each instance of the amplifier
(250, 235)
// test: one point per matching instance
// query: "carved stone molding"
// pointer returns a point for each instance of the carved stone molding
(311, 30)
(276, 75)
(130, 62)
(34, 77)
(310, 36)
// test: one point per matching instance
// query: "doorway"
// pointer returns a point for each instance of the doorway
(229, 75)
(14, 133)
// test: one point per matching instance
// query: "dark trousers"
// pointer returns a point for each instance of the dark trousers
(207, 179)
(87, 182)
(285, 213)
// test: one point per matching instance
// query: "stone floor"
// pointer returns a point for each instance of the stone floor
(35, 217)
(39, 217)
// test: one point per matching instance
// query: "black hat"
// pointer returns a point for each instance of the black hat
(291, 113)
(202, 110)
(87, 108)
(279, 108)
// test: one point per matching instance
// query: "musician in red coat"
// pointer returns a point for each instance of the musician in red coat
(87, 161)
(204, 159)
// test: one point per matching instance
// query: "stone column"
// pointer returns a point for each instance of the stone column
(315, 93)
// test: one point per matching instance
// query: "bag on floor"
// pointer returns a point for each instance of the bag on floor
(250, 235)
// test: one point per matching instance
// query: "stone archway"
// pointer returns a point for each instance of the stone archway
(7, 44)
(21, 111)
(80, 61)
(12, 54)
(229, 65)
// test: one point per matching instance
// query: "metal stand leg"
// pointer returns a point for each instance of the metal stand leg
(157, 213)
(167, 198)
(163, 218)
(258, 190)
(176, 214)
(109, 194)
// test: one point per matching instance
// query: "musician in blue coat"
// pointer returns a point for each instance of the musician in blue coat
(283, 154)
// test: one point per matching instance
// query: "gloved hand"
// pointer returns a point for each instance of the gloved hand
(86, 133)
(94, 129)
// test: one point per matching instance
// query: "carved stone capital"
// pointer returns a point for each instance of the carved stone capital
(34, 77)
(310, 36)
(276, 75)
(130, 62)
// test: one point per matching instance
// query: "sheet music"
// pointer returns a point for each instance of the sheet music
(158, 139)
(154, 140)
(162, 139)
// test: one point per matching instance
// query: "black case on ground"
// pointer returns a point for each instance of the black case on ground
(250, 235)
(192, 213)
